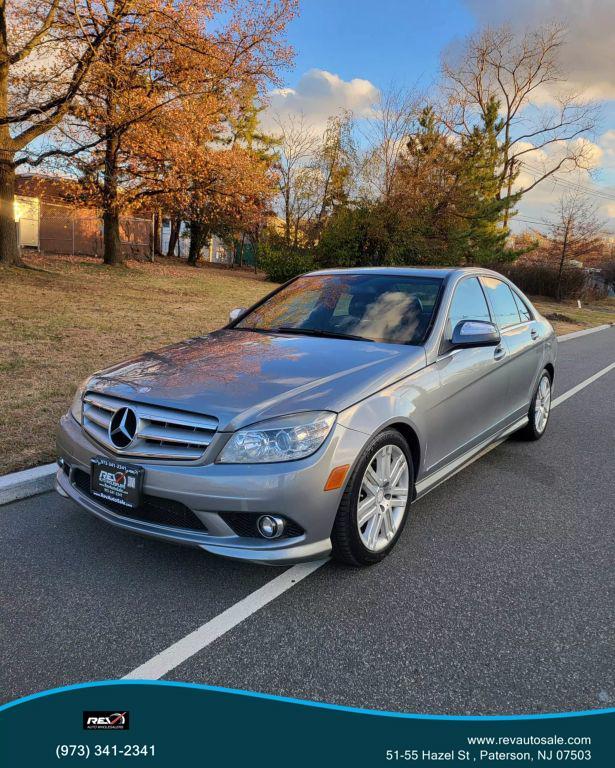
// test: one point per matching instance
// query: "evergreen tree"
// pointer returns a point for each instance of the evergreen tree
(482, 236)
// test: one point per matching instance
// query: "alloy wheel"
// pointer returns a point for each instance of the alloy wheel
(383, 497)
(542, 406)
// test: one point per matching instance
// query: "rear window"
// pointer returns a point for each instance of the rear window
(524, 311)
(502, 301)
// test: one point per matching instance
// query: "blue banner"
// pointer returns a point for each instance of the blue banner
(173, 724)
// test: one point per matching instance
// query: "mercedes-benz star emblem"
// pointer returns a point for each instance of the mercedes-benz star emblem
(123, 427)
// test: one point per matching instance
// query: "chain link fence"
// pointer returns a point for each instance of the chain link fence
(79, 232)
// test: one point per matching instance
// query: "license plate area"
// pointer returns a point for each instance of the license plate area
(119, 483)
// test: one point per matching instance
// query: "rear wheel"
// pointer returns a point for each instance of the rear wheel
(374, 507)
(540, 409)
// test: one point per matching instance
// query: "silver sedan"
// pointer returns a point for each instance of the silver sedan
(313, 420)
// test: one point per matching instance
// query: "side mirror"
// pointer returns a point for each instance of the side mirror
(475, 333)
(235, 314)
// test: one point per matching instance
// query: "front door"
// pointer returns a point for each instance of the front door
(471, 401)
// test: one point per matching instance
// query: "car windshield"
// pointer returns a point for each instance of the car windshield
(397, 309)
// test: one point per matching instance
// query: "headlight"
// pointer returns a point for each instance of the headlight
(285, 439)
(75, 407)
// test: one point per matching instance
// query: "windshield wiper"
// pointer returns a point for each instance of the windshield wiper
(317, 332)
(247, 328)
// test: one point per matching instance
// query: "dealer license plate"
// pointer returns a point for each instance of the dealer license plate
(112, 481)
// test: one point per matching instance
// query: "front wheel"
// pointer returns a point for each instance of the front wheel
(540, 409)
(374, 507)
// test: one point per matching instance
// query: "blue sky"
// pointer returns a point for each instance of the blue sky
(347, 49)
(378, 40)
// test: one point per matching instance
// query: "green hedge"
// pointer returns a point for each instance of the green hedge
(280, 263)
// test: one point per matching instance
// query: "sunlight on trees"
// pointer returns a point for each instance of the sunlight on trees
(152, 104)
(103, 80)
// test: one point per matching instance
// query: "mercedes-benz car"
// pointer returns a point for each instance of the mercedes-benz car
(312, 422)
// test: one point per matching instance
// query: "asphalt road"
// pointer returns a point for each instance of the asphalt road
(499, 598)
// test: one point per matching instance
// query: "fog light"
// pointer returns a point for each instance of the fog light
(270, 526)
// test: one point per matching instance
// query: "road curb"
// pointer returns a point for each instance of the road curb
(576, 334)
(29, 482)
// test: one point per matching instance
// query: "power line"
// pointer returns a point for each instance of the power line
(530, 221)
(578, 188)
(567, 184)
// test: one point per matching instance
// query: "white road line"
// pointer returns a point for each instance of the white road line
(563, 397)
(196, 641)
(183, 649)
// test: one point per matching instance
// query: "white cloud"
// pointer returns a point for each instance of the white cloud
(318, 95)
(587, 58)
(538, 204)
(607, 144)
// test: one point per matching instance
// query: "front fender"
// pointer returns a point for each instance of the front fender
(406, 402)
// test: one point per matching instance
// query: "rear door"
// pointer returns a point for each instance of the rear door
(521, 336)
(471, 400)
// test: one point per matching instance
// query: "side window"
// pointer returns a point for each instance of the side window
(502, 301)
(468, 304)
(525, 313)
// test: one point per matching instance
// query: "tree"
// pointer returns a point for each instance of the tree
(127, 87)
(364, 234)
(385, 132)
(334, 162)
(608, 274)
(297, 144)
(445, 193)
(425, 193)
(441, 206)
(162, 56)
(314, 174)
(482, 235)
(499, 64)
(574, 234)
(47, 50)
(215, 177)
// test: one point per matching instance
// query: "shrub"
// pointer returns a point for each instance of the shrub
(281, 263)
(541, 280)
(608, 274)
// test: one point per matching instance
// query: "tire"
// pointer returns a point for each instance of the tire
(349, 538)
(536, 427)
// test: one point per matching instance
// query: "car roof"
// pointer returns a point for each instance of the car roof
(441, 272)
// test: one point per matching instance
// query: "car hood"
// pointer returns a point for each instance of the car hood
(241, 377)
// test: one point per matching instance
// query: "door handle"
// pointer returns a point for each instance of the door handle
(534, 334)
(499, 352)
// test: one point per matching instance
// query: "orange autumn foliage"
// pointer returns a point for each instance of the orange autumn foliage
(153, 118)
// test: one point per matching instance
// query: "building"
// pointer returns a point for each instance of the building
(216, 250)
(52, 217)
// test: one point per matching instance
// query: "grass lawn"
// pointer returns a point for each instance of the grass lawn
(69, 317)
(72, 316)
(566, 316)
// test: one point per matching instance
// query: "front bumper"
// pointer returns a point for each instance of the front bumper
(291, 489)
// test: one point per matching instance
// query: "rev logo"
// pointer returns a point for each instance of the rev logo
(105, 721)
(117, 479)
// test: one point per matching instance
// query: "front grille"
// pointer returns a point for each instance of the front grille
(160, 433)
(153, 509)
(244, 524)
